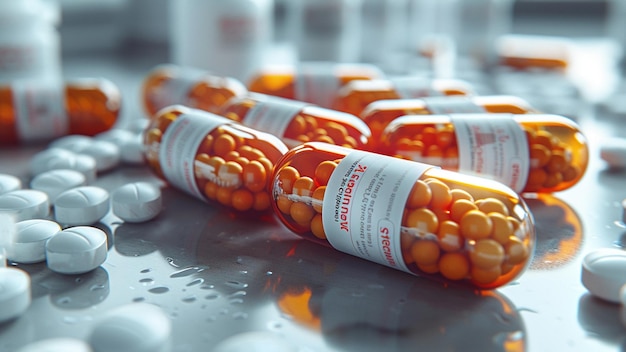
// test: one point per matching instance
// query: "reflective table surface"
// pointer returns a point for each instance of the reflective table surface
(218, 276)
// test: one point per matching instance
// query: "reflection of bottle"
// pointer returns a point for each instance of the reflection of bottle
(406, 215)
(212, 158)
(326, 30)
(229, 38)
(36, 111)
(29, 43)
(527, 152)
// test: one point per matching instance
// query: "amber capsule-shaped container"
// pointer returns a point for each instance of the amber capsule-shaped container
(311, 82)
(403, 214)
(170, 84)
(356, 95)
(296, 122)
(528, 152)
(212, 158)
(32, 111)
(379, 114)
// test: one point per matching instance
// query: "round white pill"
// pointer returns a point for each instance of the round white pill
(613, 151)
(76, 250)
(133, 150)
(59, 344)
(604, 273)
(25, 204)
(72, 142)
(57, 158)
(14, 293)
(55, 182)
(136, 202)
(29, 244)
(9, 183)
(116, 136)
(83, 205)
(106, 154)
(135, 327)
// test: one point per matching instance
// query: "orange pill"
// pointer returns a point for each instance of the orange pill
(420, 195)
(460, 207)
(254, 176)
(516, 251)
(454, 266)
(536, 177)
(323, 172)
(302, 213)
(242, 199)
(286, 177)
(483, 277)
(557, 162)
(476, 225)
(492, 205)
(210, 190)
(441, 197)
(284, 204)
(458, 193)
(449, 236)
(487, 254)
(251, 153)
(422, 219)
(297, 126)
(429, 269)
(317, 227)
(502, 227)
(223, 144)
(570, 173)
(224, 195)
(539, 155)
(425, 252)
(445, 138)
(230, 174)
(261, 201)
(303, 186)
(317, 198)
(553, 179)
(336, 131)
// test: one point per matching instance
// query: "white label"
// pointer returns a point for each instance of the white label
(452, 105)
(317, 84)
(364, 215)
(493, 145)
(178, 149)
(176, 90)
(414, 87)
(273, 115)
(40, 110)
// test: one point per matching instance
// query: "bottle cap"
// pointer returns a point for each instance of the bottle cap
(25, 204)
(14, 293)
(76, 250)
(55, 182)
(29, 244)
(136, 202)
(604, 273)
(83, 205)
(9, 183)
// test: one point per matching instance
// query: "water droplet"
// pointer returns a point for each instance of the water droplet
(170, 261)
(64, 300)
(211, 319)
(187, 272)
(620, 224)
(238, 294)
(235, 301)
(78, 280)
(198, 281)
(70, 320)
(223, 311)
(96, 287)
(212, 296)
(358, 294)
(159, 290)
(505, 338)
(236, 284)
(274, 325)
(139, 299)
(145, 271)
(240, 315)
(243, 272)
(189, 299)
(207, 287)
(269, 273)
(146, 281)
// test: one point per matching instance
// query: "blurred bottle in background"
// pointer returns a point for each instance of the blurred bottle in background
(29, 40)
(228, 38)
(325, 30)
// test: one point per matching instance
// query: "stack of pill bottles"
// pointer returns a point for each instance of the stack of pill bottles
(314, 82)
(379, 114)
(356, 95)
(213, 158)
(33, 111)
(170, 84)
(527, 152)
(296, 122)
(407, 215)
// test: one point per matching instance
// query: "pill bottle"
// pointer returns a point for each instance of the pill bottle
(527, 152)
(34, 111)
(171, 84)
(212, 158)
(325, 30)
(379, 114)
(29, 40)
(403, 214)
(311, 82)
(295, 122)
(524, 52)
(356, 95)
(229, 38)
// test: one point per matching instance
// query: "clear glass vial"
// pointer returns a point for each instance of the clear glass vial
(528, 152)
(311, 82)
(403, 214)
(213, 158)
(379, 114)
(170, 84)
(296, 122)
(356, 95)
(32, 111)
